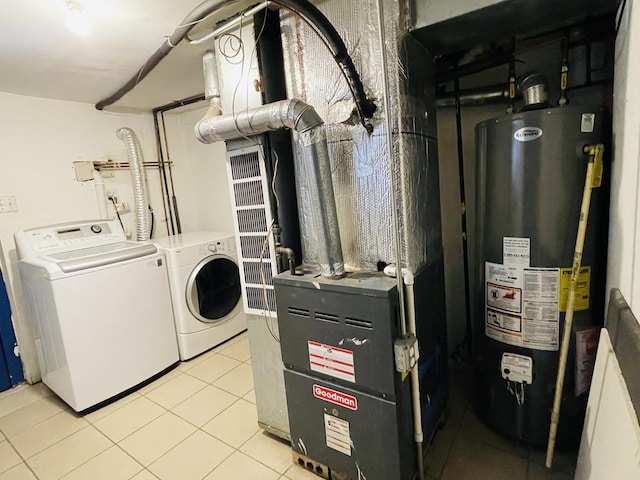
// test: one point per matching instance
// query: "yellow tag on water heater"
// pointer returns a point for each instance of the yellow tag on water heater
(583, 286)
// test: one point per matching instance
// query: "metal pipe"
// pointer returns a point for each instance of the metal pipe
(291, 257)
(301, 117)
(162, 172)
(230, 24)
(463, 219)
(174, 200)
(304, 8)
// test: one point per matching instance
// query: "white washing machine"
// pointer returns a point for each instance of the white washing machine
(206, 291)
(100, 308)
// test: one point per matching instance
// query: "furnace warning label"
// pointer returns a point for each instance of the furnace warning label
(337, 434)
(333, 361)
(583, 286)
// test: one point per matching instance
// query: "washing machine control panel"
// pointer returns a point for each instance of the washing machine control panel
(69, 236)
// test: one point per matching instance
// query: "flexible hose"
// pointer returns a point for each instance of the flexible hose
(134, 154)
(304, 8)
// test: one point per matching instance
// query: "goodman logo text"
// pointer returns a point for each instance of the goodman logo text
(527, 134)
(333, 396)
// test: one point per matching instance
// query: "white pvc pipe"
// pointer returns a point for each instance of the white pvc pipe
(101, 196)
(410, 311)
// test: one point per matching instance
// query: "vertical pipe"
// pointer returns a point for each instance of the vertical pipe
(564, 72)
(163, 177)
(415, 384)
(463, 219)
(174, 200)
(101, 196)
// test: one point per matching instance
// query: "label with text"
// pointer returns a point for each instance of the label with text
(333, 361)
(334, 396)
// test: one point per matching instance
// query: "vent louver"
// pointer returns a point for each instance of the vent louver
(252, 221)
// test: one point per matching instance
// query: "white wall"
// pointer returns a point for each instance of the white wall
(199, 174)
(40, 139)
(624, 252)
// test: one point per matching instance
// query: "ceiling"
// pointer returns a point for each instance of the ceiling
(41, 57)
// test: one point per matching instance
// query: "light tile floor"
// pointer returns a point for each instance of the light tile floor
(199, 422)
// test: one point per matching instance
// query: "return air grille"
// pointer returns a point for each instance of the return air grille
(252, 222)
(249, 193)
(254, 272)
(251, 247)
(245, 165)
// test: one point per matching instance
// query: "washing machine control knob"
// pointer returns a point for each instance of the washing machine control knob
(96, 228)
(213, 248)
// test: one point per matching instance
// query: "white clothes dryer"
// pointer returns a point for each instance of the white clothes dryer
(205, 287)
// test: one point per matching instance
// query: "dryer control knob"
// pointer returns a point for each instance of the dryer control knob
(213, 248)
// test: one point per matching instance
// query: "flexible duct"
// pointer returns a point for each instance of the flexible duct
(304, 8)
(211, 88)
(134, 154)
(101, 196)
(298, 116)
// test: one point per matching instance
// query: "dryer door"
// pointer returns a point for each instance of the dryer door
(213, 289)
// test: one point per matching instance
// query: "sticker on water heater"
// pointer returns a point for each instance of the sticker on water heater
(516, 251)
(588, 122)
(541, 318)
(586, 348)
(527, 134)
(337, 434)
(333, 361)
(581, 299)
(503, 297)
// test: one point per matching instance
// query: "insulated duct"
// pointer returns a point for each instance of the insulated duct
(304, 8)
(134, 154)
(298, 116)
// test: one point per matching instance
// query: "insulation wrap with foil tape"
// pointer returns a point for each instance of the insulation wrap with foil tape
(361, 170)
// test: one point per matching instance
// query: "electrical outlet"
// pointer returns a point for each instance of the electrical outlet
(8, 203)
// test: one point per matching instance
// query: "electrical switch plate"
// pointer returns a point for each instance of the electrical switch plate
(406, 353)
(8, 203)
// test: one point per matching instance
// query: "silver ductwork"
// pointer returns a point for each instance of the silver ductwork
(134, 154)
(211, 88)
(313, 163)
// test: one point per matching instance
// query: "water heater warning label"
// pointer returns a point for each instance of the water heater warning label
(581, 301)
(333, 361)
(522, 305)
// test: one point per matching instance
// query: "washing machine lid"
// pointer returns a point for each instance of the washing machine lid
(85, 258)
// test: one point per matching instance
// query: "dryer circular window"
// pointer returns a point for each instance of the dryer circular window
(213, 290)
(205, 290)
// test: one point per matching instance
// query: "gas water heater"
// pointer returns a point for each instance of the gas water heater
(531, 176)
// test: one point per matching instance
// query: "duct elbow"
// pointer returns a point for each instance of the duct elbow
(301, 116)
